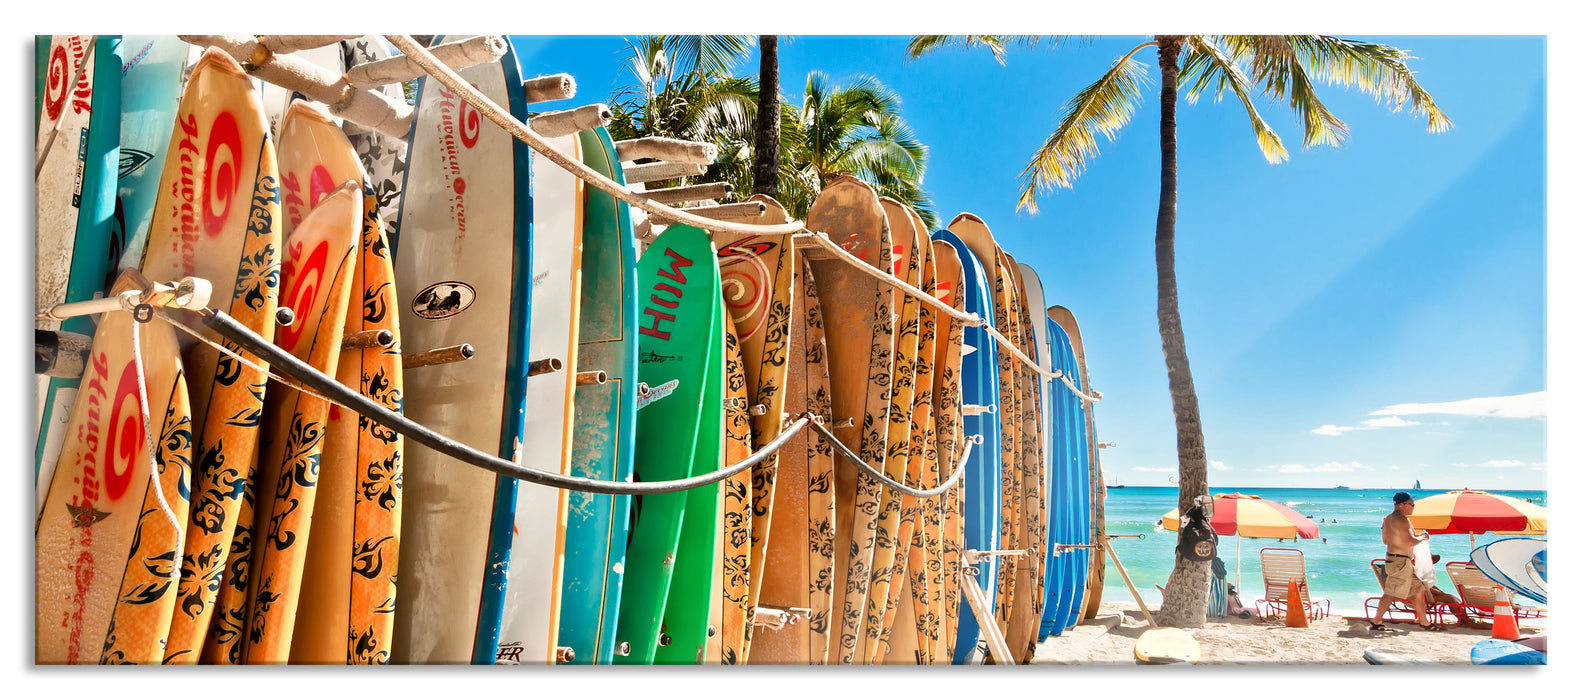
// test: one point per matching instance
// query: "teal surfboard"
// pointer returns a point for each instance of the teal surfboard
(679, 349)
(602, 442)
(151, 68)
(1070, 505)
(78, 240)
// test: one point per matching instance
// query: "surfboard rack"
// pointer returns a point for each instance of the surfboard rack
(565, 655)
(776, 617)
(437, 356)
(667, 149)
(570, 121)
(546, 88)
(544, 366)
(362, 340)
(60, 353)
(987, 627)
(186, 293)
(284, 316)
(372, 109)
(594, 378)
(456, 54)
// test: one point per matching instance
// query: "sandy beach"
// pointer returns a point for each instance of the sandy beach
(1108, 639)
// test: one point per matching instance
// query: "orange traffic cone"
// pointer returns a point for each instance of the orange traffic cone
(1295, 612)
(1504, 620)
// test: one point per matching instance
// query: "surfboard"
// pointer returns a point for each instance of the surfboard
(736, 510)
(602, 442)
(151, 68)
(77, 241)
(679, 350)
(1071, 452)
(529, 626)
(217, 217)
(1001, 291)
(755, 275)
(1032, 527)
(949, 439)
(1499, 652)
(1038, 331)
(1094, 491)
(316, 283)
(1166, 645)
(798, 568)
(109, 534)
(694, 587)
(861, 360)
(1509, 562)
(1384, 656)
(463, 261)
(348, 570)
(905, 638)
(905, 265)
(981, 482)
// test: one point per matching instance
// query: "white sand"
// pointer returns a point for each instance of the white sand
(1109, 638)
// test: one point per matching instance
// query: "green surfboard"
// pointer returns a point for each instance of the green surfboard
(678, 342)
(694, 586)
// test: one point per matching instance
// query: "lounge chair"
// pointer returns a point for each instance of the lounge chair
(1401, 610)
(1280, 566)
(1477, 593)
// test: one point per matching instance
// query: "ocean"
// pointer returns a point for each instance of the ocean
(1337, 562)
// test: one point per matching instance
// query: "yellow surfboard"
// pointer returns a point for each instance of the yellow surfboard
(218, 218)
(1032, 527)
(317, 286)
(905, 265)
(93, 601)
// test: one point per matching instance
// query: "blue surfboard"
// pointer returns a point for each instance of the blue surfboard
(1499, 652)
(606, 420)
(1070, 504)
(980, 386)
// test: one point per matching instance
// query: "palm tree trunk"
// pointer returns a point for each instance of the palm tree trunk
(766, 142)
(1186, 597)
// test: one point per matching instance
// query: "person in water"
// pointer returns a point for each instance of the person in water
(1401, 581)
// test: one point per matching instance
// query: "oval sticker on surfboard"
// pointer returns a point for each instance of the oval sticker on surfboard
(443, 300)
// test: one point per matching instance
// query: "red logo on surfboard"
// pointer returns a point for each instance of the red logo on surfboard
(125, 436)
(744, 280)
(302, 287)
(320, 183)
(222, 172)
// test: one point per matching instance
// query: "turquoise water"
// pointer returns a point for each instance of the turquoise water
(1336, 569)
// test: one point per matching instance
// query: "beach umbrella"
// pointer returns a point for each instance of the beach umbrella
(1245, 515)
(1477, 512)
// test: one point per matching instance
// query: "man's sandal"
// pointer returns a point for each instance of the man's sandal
(1377, 627)
(1432, 627)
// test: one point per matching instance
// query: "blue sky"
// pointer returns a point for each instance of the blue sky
(1333, 304)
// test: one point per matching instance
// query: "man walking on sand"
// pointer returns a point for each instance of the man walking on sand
(1401, 581)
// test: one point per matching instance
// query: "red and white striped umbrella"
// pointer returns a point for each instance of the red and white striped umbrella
(1250, 516)
(1477, 512)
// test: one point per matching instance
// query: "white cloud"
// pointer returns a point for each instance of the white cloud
(1458, 464)
(1217, 465)
(1369, 424)
(1171, 470)
(1532, 405)
(1395, 467)
(1388, 422)
(1498, 463)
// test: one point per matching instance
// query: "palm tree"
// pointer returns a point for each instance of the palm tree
(766, 143)
(683, 87)
(1282, 68)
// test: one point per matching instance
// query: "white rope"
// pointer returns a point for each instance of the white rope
(148, 434)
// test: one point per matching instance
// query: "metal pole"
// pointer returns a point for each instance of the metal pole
(986, 623)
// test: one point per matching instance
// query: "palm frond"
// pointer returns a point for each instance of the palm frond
(1101, 108)
(1274, 62)
(924, 44)
(1376, 69)
(1207, 63)
(712, 55)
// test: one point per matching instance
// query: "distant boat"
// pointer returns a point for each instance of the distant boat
(1417, 484)
(1343, 488)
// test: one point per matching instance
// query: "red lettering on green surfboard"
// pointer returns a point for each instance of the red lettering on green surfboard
(675, 273)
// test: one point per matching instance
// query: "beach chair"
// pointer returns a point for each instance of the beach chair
(1400, 610)
(1477, 593)
(1280, 566)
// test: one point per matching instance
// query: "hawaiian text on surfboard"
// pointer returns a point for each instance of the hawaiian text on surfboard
(470, 124)
(60, 74)
(220, 176)
(677, 274)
